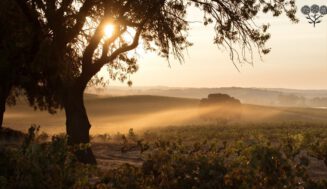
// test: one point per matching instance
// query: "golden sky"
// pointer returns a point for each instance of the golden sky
(298, 59)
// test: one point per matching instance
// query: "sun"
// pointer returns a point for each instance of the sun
(109, 30)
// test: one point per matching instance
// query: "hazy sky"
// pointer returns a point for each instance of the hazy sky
(298, 59)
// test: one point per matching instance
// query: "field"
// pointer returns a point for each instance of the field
(134, 129)
(118, 114)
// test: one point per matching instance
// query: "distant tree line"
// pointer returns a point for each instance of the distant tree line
(220, 107)
(295, 100)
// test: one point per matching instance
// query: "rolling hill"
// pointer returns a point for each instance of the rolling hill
(118, 114)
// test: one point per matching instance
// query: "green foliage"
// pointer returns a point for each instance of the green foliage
(252, 156)
(41, 165)
(318, 149)
(20, 74)
(254, 161)
(252, 164)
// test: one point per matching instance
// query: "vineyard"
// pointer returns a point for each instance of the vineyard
(221, 155)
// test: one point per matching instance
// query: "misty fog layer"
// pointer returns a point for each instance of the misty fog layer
(118, 114)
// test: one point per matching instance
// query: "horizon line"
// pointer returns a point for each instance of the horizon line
(196, 87)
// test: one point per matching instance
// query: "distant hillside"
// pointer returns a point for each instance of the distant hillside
(119, 114)
(135, 104)
(259, 96)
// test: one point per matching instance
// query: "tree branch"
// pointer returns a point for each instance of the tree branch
(92, 46)
(105, 47)
(107, 59)
(80, 20)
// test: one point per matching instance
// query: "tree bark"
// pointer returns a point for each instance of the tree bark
(2, 111)
(77, 124)
(4, 93)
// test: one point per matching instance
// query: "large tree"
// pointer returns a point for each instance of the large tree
(74, 44)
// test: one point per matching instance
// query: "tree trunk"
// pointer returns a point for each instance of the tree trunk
(77, 124)
(4, 93)
(2, 111)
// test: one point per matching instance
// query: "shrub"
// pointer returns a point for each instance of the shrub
(41, 165)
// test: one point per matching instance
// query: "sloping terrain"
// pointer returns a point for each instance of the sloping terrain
(118, 114)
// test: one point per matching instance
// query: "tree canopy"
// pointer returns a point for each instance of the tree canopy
(73, 30)
(18, 76)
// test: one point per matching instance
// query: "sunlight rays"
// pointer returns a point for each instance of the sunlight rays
(109, 30)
